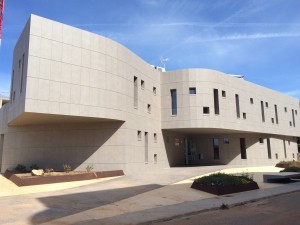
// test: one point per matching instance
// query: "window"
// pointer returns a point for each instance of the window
(146, 147)
(262, 111)
(139, 135)
(135, 91)
(154, 90)
(224, 94)
(19, 64)
(226, 140)
(216, 148)
(293, 116)
(174, 101)
(276, 114)
(276, 155)
(251, 100)
(142, 84)
(284, 149)
(149, 108)
(155, 137)
(267, 104)
(216, 101)
(295, 111)
(192, 91)
(243, 148)
(205, 110)
(12, 86)
(237, 105)
(261, 140)
(272, 120)
(290, 123)
(21, 83)
(244, 116)
(285, 109)
(155, 158)
(269, 148)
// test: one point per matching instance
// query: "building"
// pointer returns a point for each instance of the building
(80, 98)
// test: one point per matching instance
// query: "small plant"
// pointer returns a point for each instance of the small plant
(34, 167)
(247, 175)
(48, 170)
(291, 169)
(67, 167)
(89, 168)
(21, 168)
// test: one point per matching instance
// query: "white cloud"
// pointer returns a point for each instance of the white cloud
(194, 39)
(294, 93)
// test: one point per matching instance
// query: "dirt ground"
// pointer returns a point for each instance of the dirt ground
(284, 209)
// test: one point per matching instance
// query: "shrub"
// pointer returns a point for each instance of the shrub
(67, 167)
(286, 164)
(291, 169)
(34, 167)
(21, 168)
(222, 179)
(48, 170)
(89, 168)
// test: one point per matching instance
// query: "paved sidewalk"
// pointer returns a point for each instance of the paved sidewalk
(133, 199)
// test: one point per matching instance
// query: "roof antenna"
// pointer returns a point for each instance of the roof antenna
(163, 61)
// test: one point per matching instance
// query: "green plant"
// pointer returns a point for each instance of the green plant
(67, 167)
(21, 168)
(291, 169)
(48, 170)
(247, 175)
(222, 179)
(34, 167)
(89, 168)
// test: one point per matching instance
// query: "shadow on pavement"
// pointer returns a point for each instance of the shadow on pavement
(66, 205)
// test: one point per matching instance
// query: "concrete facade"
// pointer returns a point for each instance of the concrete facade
(80, 98)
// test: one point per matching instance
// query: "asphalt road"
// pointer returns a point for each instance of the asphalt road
(280, 210)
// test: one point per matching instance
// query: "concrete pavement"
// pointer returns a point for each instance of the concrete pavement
(133, 199)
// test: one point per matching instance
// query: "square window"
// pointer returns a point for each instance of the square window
(224, 94)
(155, 137)
(251, 100)
(226, 140)
(267, 104)
(149, 108)
(244, 116)
(154, 90)
(261, 140)
(142, 84)
(192, 91)
(139, 135)
(205, 110)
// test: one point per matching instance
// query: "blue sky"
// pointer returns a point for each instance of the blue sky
(256, 38)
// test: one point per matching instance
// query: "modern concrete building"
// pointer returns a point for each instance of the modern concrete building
(80, 98)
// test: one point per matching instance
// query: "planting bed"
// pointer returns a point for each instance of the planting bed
(26, 179)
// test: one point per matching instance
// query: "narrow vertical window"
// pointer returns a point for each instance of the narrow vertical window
(142, 84)
(155, 137)
(216, 101)
(284, 148)
(146, 147)
(155, 158)
(22, 75)
(216, 148)
(237, 104)
(139, 135)
(293, 114)
(149, 108)
(135, 92)
(1, 147)
(12, 86)
(251, 100)
(154, 90)
(269, 148)
(174, 101)
(243, 148)
(262, 111)
(276, 114)
(224, 94)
